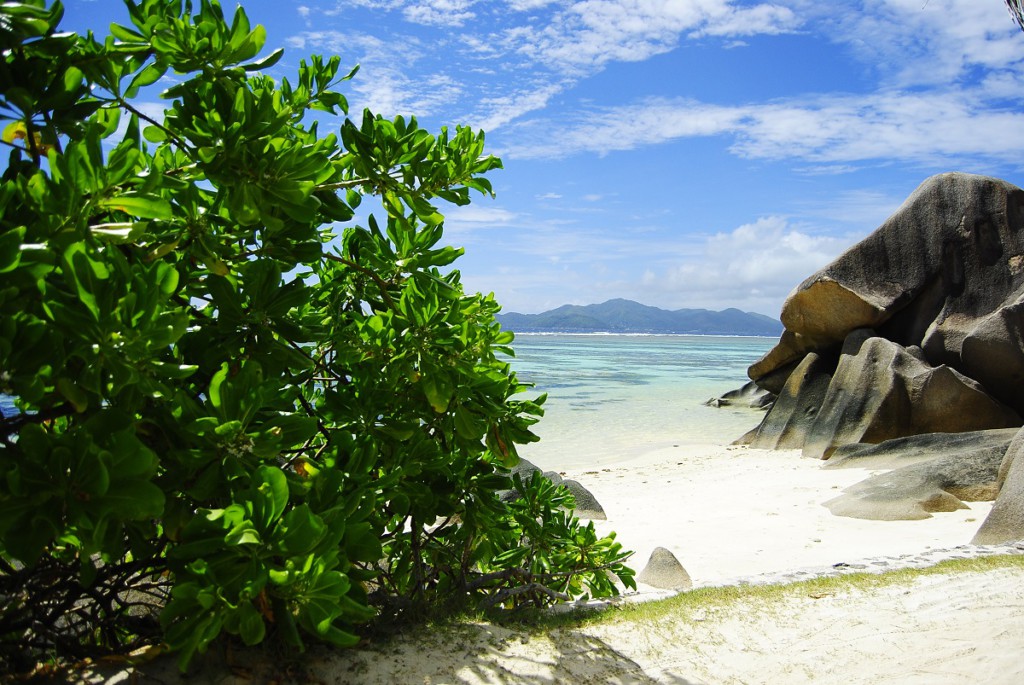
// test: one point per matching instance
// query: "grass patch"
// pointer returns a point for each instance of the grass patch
(699, 603)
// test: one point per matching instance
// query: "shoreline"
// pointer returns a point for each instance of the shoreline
(729, 512)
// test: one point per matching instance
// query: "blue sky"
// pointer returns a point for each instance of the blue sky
(683, 153)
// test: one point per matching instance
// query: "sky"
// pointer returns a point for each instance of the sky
(681, 153)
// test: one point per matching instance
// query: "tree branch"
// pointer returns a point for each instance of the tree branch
(381, 283)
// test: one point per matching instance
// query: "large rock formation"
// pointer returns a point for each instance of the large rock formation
(916, 329)
(1005, 523)
(929, 473)
(900, 452)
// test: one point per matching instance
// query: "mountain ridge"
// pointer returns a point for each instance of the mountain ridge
(627, 316)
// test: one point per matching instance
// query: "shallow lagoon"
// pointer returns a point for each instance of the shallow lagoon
(615, 396)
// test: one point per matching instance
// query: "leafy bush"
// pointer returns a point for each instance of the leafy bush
(237, 411)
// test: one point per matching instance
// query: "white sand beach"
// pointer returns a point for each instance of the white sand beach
(728, 513)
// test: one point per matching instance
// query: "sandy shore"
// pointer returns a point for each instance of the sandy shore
(729, 513)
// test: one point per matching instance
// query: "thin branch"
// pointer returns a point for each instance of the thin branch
(505, 595)
(381, 283)
(1016, 8)
(150, 120)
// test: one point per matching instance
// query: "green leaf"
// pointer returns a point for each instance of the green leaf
(139, 205)
(73, 394)
(438, 391)
(134, 499)
(148, 76)
(119, 233)
(216, 384)
(250, 624)
(173, 371)
(271, 496)
(265, 63)
(154, 134)
(16, 130)
(126, 34)
(243, 534)
(10, 248)
(299, 531)
(84, 274)
(361, 543)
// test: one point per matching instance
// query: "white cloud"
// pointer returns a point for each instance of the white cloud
(529, 5)
(424, 12)
(910, 42)
(753, 267)
(750, 21)
(462, 223)
(917, 127)
(376, 4)
(833, 130)
(388, 82)
(650, 122)
(936, 43)
(497, 112)
(391, 92)
(586, 35)
(549, 44)
(440, 12)
(862, 209)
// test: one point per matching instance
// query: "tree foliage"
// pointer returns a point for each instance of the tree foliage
(1016, 8)
(237, 410)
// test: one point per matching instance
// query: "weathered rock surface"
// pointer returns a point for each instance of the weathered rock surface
(792, 417)
(945, 273)
(587, 506)
(924, 320)
(899, 452)
(749, 396)
(880, 391)
(664, 571)
(876, 391)
(967, 470)
(1005, 523)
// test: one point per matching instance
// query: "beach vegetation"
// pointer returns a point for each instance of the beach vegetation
(250, 395)
(1016, 8)
(703, 603)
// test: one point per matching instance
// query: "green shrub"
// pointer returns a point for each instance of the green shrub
(236, 409)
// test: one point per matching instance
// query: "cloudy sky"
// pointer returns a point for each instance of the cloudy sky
(683, 153)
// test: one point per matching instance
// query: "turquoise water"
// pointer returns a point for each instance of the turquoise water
(614, 396)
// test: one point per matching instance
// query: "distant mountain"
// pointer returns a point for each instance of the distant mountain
(626, 316)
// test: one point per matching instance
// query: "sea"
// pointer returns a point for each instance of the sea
(613, 397)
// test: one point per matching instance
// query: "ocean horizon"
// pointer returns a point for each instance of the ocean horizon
(613, 396)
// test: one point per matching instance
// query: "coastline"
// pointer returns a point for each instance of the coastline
(638, 334)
